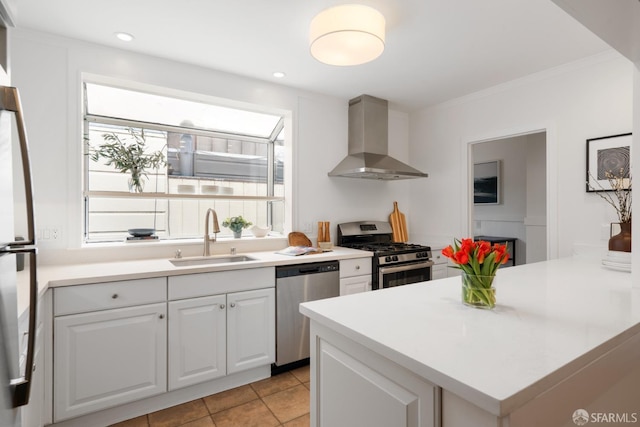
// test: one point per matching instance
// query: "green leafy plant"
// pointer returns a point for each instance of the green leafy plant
(128, 156)
(236, 223)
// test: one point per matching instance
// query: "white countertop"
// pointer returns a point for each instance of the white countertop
(551, 319)
(51, 276)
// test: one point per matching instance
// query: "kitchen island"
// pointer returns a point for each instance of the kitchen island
(565, 335)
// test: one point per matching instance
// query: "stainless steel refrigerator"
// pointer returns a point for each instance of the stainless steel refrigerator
(15, 383)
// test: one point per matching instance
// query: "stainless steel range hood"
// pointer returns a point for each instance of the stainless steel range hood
(368, 144)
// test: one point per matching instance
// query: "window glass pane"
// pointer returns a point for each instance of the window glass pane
(202, 168)
(226, 160)
(133, 105)
(110, 218)
(104, 177)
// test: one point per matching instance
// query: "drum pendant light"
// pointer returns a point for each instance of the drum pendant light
(349, 34)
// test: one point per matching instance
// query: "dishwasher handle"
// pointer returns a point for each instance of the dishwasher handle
(309, 270)
(306, 269)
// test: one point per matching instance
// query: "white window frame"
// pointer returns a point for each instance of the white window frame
(270, 198)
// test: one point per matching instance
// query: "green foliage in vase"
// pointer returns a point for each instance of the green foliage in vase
(236, 223)
(128, 156)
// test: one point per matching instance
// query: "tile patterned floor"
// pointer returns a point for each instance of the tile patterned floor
(282, 400)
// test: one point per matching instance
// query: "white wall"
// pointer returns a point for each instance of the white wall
(535, 221)
(582, 100)
(47, 69)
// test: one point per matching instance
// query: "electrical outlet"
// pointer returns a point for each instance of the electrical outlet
(48, 234)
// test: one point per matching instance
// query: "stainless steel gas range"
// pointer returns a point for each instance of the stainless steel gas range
(393, 264)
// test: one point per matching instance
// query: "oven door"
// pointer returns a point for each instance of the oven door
(404, 274)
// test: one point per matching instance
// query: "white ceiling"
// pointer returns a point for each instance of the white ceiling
(436, 50)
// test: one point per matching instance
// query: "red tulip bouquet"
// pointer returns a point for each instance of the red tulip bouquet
(479, 262)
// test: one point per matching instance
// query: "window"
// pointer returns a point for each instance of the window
(214, 156)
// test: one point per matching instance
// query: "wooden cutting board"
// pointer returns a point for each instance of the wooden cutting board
(398, 225)
(297, 238)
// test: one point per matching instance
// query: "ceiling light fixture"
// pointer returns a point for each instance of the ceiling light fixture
(278, 74)
(349, 34)
(125, 37)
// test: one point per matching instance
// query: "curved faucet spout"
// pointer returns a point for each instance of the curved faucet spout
(216, 230)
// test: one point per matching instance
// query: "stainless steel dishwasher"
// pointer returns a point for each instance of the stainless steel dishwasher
(296, 284)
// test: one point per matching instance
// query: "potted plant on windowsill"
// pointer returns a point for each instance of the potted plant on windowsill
(236, 224)
(129, 157)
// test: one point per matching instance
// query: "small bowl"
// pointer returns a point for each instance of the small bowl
(260, 231)
(325, 246)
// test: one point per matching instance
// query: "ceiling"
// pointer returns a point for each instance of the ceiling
(436, 50)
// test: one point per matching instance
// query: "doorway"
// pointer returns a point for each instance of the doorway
(508, 195)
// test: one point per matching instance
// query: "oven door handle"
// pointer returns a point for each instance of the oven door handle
(405, 267)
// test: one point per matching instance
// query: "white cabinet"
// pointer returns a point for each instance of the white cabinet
(441, 266)
(197, 340)
(215, 335)
(251, 329)
(439, 269)
(355, 275)
(107, 357)
(350, 385)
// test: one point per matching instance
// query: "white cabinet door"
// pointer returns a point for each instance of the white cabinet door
(197, 340)
(251, 335)
(438, 271)
(353, 393)
(107, 358)
(355, 285)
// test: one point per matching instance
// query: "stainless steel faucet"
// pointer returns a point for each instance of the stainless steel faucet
(216, 230)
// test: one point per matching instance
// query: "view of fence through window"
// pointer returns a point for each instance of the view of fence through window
(234, 172)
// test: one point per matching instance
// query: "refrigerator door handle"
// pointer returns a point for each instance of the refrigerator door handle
(21, 386)
(10, 101)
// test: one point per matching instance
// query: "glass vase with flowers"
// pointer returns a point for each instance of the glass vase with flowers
(479, 262)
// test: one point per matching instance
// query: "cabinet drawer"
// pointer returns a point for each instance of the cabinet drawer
(355, 267)
(104, 296)
(437, 257)
(221, 282)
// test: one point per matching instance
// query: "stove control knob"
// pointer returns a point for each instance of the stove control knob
(418, 254)
(395, 257)
(387, 259)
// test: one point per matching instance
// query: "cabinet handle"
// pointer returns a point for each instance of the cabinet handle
(114, 296)
(233, 304)
(357, 267)
(161, 316)
(221, 306)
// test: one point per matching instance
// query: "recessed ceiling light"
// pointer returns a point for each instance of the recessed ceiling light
(125, 37)
(278, 74)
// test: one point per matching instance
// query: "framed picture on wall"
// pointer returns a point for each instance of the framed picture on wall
(607, 155)
(486, 183)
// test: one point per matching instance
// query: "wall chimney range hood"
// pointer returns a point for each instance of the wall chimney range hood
(368, 144)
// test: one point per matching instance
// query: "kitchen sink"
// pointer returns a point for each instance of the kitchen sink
(185, 262)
